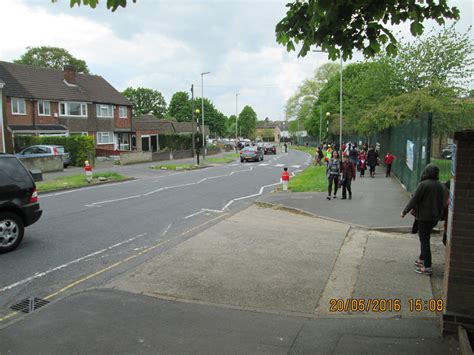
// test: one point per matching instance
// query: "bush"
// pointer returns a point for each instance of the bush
(175, 141)
(80, 148)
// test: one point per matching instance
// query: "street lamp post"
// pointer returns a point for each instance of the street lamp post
(327, 124)
(202, 112)
(192, 117)
(236, 116)
(340, 96)
(320, 120)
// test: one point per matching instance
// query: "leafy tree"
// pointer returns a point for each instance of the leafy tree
(213, 118)
(146, 101)
(230, 126)
(348, 25)
(300, 106)
(180, 107)
(248, 122)
(51, 57)
(111, 4)
(438, 62)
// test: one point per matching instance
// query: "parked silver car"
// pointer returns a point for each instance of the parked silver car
(36, 151)
(251, 154)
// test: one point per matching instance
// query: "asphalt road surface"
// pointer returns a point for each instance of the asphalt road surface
(88, 236)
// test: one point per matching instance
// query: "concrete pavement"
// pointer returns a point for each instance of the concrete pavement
(111, 322)
(376, 203)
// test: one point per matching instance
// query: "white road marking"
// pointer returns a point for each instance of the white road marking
(263, 164)
(44, 273)
(166, 230)
(279, 165)
(296, 166)
(194, 214)
(203, 210)
(100, 203)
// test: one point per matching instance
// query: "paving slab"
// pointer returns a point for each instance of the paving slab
(110, 321)
(258, 258)
(376, 203)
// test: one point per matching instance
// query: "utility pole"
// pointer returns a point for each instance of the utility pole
(202, 108)
(340, 104)
(192, 117)
(320, 120)
(236, 116)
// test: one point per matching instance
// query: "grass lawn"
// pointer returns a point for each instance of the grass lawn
(313, 178)
(309, 150)
(75, 181)
(223, 160)
(444, 166)
(232, 155)
(175, 167)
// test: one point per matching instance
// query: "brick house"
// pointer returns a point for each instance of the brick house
(148, 128)
(269, 130)
(47, 102)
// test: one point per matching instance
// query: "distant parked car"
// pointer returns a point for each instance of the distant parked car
(269, 148)
(447, 152)
(19, 205)
(251, 154)
(36, 151)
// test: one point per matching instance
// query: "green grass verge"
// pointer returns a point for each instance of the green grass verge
(444, 166)
(175, 167)
(232, 155)
(75, 181)
(223, 160)
(309, 150)
(313, 178)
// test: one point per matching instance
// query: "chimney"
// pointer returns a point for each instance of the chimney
(70, 74)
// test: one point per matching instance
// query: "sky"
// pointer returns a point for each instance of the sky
(166, 45)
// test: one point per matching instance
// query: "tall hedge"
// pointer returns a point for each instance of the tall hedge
(80, 148)
(175, 141)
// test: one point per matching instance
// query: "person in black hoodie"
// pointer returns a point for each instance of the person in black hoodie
(428, 202)
(372, 157)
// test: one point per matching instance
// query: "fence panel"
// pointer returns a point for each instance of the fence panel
(410, 142)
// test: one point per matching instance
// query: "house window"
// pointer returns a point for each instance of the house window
(123, 111)
(44, 108)
(105, 138)
(73, 109)
(18, 106)
(72, 134)
(105, 111)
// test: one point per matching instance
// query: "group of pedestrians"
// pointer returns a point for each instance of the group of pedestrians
(428, 205)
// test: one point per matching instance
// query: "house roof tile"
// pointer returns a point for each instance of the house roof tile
(34, 82)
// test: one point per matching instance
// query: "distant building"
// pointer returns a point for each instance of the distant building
(49, 102)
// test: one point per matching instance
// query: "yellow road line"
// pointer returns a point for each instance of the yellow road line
(97, 273)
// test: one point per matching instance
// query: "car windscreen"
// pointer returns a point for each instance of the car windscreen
(60, 150)
(12, 170)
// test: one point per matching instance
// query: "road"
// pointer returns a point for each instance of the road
(88, 236)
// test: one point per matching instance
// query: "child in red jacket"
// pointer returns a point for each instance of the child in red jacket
(285, 178)
(388, 160)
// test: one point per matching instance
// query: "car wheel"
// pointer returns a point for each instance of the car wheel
(11, 231)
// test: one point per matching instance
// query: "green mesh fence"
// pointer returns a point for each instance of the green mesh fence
(410, 142)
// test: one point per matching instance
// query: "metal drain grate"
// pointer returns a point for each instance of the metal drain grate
(29, 305)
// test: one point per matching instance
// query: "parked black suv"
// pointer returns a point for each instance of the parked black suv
(19, 205)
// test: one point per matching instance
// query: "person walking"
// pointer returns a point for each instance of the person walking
(388, 160)
(332, 171)
(348, 174)
(428, 202)
(319, 156)
(362, 162)
(353, 156)
(372, 160)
